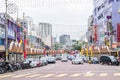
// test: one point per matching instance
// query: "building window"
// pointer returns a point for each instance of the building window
(117, 0)
(111, 1)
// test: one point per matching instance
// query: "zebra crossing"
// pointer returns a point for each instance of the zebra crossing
(60, 75)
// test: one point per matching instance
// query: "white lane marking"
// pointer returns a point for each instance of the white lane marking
(103, 74)
(116, 74)
(33, 75)
(75, 75)
(47, 75)
(88, 74)
(61, 75)
(21, 75)
(9, 75)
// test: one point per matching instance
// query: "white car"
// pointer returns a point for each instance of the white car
(51, 59)
(64, 58)
(32, 61)
(77, 61)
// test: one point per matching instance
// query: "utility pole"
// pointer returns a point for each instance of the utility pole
(6, 27)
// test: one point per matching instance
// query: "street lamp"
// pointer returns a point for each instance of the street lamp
(10, 9)
(110, 29)
(6, 40)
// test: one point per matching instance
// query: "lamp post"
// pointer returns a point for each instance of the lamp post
(109, 28)
(6, 40)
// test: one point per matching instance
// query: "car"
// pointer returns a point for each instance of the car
(77, 61)
(32, 61)
(71, 57)
(110, 60)
(94, 60)
(51, 59)
(58, 56)
(38, 62)
(44, 61)
(64, 58)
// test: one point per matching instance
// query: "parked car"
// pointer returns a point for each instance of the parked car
(71, 57)
(38, 62)
(77, 60)
(44, 61)
(64, 58)
(94, 60)
(110, 60)
(51, 59)
(32, 61)
(58, 56)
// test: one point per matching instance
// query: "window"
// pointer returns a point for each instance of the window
(111, 1)
(117, 0)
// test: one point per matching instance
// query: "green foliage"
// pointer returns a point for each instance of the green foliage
(77, 47)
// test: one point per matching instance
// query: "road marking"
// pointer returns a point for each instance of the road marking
(48, 75)
(75, 75)
(33, 75)
(116, 74)
(21, 75)
(103, 74)
(89, 74)
(4, 76)
(61, 75)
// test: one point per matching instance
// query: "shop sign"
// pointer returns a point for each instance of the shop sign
(2, 32)
(11, 33)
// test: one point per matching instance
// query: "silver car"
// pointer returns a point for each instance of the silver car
(77, 61)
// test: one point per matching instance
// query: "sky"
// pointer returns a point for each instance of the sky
(66, 16)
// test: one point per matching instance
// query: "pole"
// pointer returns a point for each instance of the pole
(6, 39)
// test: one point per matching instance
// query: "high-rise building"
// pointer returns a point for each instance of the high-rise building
(64, 39)
(105, 17)
(45, 31)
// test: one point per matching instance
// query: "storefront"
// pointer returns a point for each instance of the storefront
(2, 39)
(105, 50)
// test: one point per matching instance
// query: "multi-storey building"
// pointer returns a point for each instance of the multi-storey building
(46, 33)
(105, 12)
(64, 39)
(90, 35)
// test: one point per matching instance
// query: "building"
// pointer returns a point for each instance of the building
(46, 33)
(90, 33)
(105, 21)
(64, 39)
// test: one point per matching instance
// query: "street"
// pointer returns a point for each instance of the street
(66, 71)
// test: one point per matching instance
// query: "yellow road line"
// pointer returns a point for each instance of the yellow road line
(4, 76)
(89, 74)
(116, 74)
(21, 75)
(48, 75)
(75, 75)
(103, 74)
(61, 75)
(33, 75)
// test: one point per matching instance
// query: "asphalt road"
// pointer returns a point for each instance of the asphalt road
(66, 71)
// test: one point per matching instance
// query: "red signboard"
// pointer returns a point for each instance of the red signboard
(118, 32)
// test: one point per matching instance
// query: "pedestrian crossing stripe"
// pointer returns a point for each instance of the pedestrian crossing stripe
(61, 75)
(103, 74)
(75, 75)
(21, 75)
(37, 75)
(89, 74)
(48, 75)
(33, 75)
(4, 76)
(116, 74)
